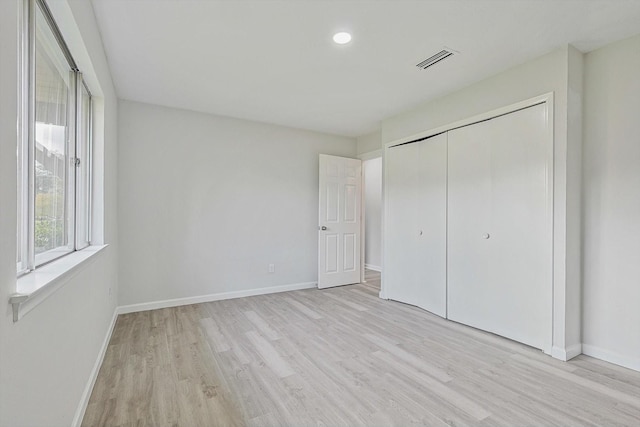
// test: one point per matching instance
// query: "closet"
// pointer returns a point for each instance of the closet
(468, 225)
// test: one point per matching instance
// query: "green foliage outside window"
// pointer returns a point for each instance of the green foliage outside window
(50, 210)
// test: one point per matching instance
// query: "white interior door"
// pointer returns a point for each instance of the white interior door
(339, 221)
(415, 230)
(499, 227)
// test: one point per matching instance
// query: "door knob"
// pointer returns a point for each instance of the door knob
(486, 236)
(323, 228)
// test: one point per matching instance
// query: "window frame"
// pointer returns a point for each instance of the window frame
(79, 139)
(83, 118)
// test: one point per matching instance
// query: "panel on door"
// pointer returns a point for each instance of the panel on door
(340, 191)
(499, 227)
(415, 226)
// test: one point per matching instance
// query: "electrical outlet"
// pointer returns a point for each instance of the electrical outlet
(272, 268)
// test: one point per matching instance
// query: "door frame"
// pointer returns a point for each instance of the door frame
(558, 245)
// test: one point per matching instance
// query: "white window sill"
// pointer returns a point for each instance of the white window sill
(33, 288)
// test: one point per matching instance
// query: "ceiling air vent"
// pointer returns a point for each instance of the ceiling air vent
(433, 60)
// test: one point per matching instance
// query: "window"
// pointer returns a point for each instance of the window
(54, 153)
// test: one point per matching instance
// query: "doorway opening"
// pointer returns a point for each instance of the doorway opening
(372, 220)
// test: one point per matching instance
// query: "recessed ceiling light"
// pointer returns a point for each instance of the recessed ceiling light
(342, 38)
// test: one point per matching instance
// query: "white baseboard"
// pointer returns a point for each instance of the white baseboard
(568, 353)
(86, 395)
(612, 357)
(154, 305)
(373, 267)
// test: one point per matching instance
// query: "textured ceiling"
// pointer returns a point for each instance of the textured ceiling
(275, 62)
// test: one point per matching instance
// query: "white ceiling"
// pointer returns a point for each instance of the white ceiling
(275, 61)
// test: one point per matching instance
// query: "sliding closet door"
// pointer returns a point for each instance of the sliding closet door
(499, 227)
(415, 225)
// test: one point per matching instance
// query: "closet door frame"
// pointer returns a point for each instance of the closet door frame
(556, 318)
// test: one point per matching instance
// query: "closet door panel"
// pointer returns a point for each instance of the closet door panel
(469, 213)
(432, 225)
(499, 231)
(415, 238)
(401, 243)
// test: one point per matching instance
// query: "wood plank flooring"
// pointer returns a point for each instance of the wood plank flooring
(341, 357)
(372, 279)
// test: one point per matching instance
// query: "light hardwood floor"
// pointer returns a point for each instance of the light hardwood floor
(341, 357)
(372, 279)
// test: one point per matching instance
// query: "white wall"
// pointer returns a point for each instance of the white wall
(549, 73)
(370, 142)
(611, 186)
(544, 74)
(207, 202)
(46, 359)
(575, 80)
(373, 212)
